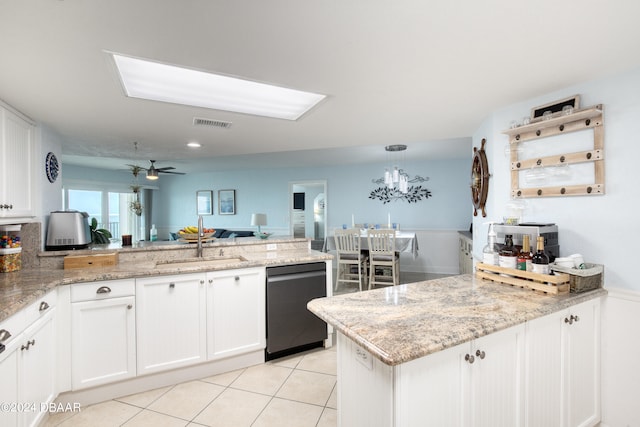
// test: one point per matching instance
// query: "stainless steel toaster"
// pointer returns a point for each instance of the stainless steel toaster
(68, 230)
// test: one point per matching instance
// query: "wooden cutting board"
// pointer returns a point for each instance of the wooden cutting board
(90, 261)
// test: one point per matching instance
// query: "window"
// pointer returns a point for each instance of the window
(109, 208)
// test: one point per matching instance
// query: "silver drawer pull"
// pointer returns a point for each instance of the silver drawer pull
(237, 278)
(4, 335)
(172, 285)
(480, 354)
(129, 306)
(43, 306)
(469, 358)
(103, 290)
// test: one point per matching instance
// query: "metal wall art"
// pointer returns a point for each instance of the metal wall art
(414, 194)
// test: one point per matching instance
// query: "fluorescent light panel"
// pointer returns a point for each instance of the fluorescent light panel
(168, 83)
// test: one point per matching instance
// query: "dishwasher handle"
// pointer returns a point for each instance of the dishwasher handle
(295, 276)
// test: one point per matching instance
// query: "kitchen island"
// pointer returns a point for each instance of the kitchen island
(462, 351)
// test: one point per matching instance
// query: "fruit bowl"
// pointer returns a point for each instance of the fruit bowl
(262, 235)
(193, 237)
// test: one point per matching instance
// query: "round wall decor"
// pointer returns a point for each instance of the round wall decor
(479, 179)
(52, 167)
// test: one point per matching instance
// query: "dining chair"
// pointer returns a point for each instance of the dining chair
(382, 254)
(350, 256)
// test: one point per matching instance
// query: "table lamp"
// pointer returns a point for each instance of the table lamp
(258, 219)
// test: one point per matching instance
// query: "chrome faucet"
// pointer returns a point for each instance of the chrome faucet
(200, 236)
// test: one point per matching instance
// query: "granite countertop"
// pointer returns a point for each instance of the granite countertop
(402, 323)
(20, 288)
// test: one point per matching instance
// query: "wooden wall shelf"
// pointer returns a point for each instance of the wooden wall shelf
(584, 119)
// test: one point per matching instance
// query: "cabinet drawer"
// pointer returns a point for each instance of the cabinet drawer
(41, 306)
(102, 290)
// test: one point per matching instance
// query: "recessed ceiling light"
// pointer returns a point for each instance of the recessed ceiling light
(169, 83)
(194, 145)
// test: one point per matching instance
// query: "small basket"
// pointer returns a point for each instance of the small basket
(582, 280)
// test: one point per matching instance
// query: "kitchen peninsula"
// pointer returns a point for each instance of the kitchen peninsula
(460, 351)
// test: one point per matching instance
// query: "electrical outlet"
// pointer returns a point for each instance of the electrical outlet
(272, 246)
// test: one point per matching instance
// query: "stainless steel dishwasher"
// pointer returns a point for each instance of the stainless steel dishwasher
(292, 328)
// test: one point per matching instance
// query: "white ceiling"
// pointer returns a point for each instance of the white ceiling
(417, 72)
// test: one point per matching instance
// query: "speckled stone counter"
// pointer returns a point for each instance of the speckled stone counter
(406, 322)
(20, 288)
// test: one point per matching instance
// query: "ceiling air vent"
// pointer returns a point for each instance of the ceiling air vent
(198, 121)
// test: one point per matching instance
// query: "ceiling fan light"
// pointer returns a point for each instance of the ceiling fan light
(152, 174)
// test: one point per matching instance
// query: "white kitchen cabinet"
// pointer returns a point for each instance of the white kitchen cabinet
(103, 332)
(473, 384)
(36, 368)
(563, 367)
(171, 322)
(17, 154)
(27, 365)
(235, 312)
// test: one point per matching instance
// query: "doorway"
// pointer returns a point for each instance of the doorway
(308, 211)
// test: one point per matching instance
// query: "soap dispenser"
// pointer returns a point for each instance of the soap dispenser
(490, 252)
(153, 233)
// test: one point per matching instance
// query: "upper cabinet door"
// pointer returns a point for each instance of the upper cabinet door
(17, 145)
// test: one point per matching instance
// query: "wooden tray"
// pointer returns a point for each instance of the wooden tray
(90, 261)
(557, 283)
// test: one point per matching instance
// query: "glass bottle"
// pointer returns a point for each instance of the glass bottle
(508, 254)
(490, 251)
(524, 256)
(540, 260)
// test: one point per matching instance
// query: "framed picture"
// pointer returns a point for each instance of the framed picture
(227, 202)
(204, 202)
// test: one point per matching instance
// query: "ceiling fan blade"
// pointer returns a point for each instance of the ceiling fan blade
(165, 168)
(166, 171)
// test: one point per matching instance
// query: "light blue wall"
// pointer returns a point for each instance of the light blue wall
(267, 190)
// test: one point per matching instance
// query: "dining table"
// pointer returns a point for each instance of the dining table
(406, 241)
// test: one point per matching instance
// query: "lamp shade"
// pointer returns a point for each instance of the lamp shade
(258, 219)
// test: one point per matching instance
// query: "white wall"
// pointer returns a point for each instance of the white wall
(602, 228)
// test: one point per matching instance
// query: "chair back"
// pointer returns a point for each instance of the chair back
(347, 241)
(381, 242)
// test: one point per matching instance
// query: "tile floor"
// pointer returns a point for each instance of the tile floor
(296, 391)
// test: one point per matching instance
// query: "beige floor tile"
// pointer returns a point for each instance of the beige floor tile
(105, 414)
(287, 362)
(333, 399)
(323, 361)
(224, 379)
(285, 413)
(233, 408)
(144, 399)
(329, 418)
(265, 379)
(57, 418)
(186, 400)
(308, 387)
(148, 418)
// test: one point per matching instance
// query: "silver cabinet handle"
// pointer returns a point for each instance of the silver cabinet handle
(4, 335)
(129, 306)
(469, 358)
(43, 306)
(237, 278)
(210, 281)
(480, 354)
(172, 285)
(575, 318)
(569, 321)
(202, 282)
(103, 290)
(29, 344)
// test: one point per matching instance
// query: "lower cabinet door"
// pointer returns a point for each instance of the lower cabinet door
(37, 368)
(235, 312)
(103, 341)
(582, 346)
(497, 389)
(171, 322)
(9, 386)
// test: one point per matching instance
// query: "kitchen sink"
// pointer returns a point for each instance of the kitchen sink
(199, 262)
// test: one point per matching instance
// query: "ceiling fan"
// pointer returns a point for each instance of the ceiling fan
(152, 172)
